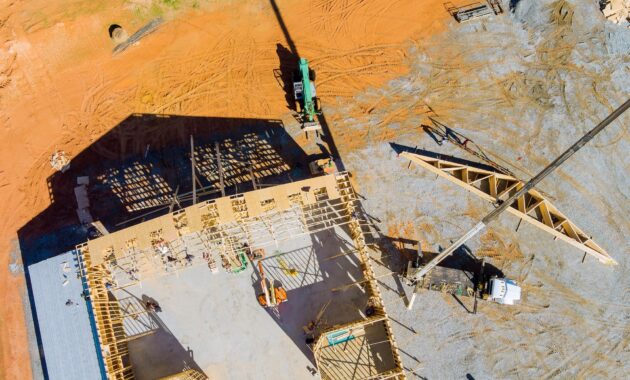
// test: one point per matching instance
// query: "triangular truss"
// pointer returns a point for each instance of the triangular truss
(531, 207)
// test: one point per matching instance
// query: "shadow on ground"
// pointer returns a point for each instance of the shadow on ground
(142, 168)
(394, 253)
(165, 346)
(398, 148)
(316, 278)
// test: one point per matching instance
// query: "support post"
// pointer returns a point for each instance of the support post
(251, 174)
(174, 201)
(413, 296)
(220, 166)
(192, 164)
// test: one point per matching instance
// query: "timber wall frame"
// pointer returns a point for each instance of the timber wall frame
(395, 373)
(356, 227)
(189, 374)
(299, 208)
(108, 319)
(531, 207)
(315, 201)
(261, 218)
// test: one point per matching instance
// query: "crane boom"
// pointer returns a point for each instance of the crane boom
(528, 186)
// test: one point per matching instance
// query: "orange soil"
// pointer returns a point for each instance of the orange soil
(61, 88)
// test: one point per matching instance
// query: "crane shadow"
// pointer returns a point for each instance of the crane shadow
(288, 63)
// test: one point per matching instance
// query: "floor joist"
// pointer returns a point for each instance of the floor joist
(531, 207)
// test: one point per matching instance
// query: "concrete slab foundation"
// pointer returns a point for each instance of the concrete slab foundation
(214, 324)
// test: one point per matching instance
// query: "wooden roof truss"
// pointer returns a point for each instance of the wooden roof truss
(532, 207)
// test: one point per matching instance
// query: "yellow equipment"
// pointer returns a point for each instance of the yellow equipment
(270, 297)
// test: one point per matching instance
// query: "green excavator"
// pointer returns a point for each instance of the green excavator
(307, 103)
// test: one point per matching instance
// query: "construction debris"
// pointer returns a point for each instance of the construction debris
(322, 166)
(134, 39)
(617, 11)
(59, 161)
(190, 374)
(474, 10)
(272, 295)
(83, 203)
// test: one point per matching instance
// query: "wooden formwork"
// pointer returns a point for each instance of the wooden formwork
(532, 207)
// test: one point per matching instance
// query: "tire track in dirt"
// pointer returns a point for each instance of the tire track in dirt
(553, 356)
(216, 77)
(178, 71)
(342, 10)
(560, 329)
(345, 72)
(589, 315)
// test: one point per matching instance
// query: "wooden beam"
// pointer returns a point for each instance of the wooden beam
(482, 178)
(452, 168)
(534, 206)
(546, 215)
(174, 201)
(571, 233)
(220, 166)
(493, 186)
(520, 204)
(192, 164)
(507, 190)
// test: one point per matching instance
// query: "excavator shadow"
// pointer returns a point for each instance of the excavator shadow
(289, 58)
(284, 74)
